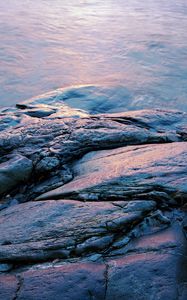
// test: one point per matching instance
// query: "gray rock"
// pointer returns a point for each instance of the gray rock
(116, 244)
(128, 172)
(71, 281)
(144, 277)
(47, 164)
(50, 143)
(13, 172)
(156, 269)
(8, 287)
(150, 267)
(64, 228)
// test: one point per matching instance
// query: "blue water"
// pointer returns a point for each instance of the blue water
(141, 45)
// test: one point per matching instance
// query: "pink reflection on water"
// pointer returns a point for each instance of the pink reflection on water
(45, 45)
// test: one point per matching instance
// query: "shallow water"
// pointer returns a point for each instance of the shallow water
(141, 45)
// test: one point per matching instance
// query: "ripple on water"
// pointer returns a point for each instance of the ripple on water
(140, 45)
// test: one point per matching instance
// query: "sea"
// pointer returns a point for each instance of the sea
(138, 45)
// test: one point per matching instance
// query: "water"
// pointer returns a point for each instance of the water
(141, 45)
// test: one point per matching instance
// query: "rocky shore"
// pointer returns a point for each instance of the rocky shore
(92, 206)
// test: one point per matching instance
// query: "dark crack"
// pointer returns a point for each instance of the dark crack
(106, 280)
(19, 286)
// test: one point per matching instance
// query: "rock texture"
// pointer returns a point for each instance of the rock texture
(92, 206)
(151, 171)
(64, 229)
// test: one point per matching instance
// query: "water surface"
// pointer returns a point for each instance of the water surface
(141, 45)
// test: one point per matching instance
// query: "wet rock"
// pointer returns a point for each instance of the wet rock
(100, 99)
(13, 172)
(36, 108)
(53, 181)
(8, 287)
(47, 164)
(116, 243)
(143, 276)
(155, 269)
(152, 266)
(64, 228)
(96, 132)
(128, 172)
(71, 281)
(40, 112)
(52, 143)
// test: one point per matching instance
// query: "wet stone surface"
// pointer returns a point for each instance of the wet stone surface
(92, 206)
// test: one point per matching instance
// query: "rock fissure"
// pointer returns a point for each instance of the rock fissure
(19, 286)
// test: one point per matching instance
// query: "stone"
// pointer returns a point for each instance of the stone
(64, 228)
(8, 287)
(16, 170)
(133, 171)
(47, 164)
(110, 220)
(53, 141)
(75, 281)
(143, 276)
(152, 266)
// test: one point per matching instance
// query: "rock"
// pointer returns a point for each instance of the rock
(93, 132)
(13, 172)
(64, 228)
(35, 108)
(64, 175)
(91, 98)
(8, 287)
(150, 267)
(52, 143)
(155, 269)
(118, 228)
(47, 164)
(38, 112)
(71, 281)
(144, 277)
(128, 172)
(5, 267)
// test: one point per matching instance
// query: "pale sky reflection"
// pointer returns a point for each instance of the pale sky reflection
(46, 45)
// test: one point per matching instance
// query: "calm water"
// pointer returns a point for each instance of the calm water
(46, 44)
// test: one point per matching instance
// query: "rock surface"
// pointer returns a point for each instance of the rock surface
(157, 171)
(64, 229)
(110, 217)
(16, 170)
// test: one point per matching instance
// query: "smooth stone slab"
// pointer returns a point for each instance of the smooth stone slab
(71, 281)
(37, 231)
(76, 281)
(145, 276)
(8, 287)
(127, 172)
